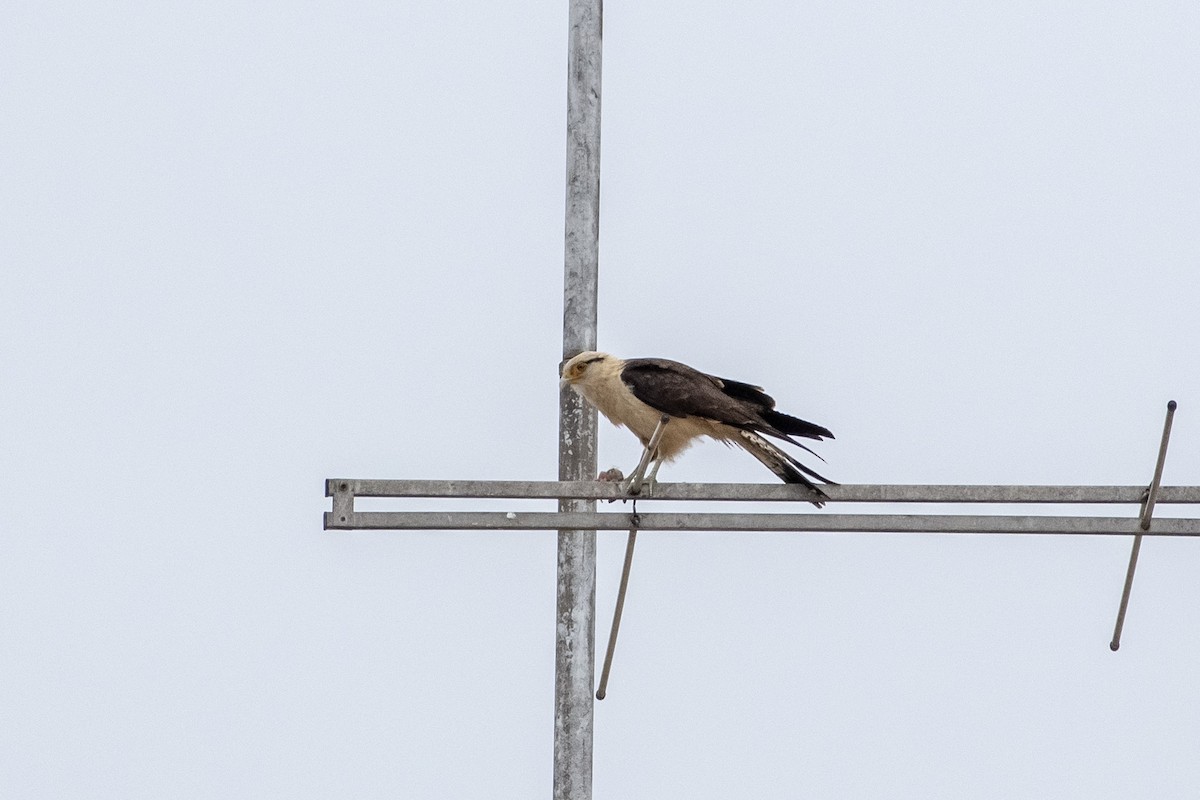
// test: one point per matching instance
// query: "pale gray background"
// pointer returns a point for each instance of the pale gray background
(246, 248)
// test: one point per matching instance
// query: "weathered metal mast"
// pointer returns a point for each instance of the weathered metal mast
(575, 638)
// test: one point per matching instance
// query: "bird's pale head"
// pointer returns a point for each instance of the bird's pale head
(576, 370)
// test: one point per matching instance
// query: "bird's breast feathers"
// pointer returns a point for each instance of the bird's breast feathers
(604, 388)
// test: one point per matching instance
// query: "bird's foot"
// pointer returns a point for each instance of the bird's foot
(637, 486)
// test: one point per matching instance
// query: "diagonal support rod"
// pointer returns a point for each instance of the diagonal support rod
(1144, 524)
(602, 691)
(635, 488)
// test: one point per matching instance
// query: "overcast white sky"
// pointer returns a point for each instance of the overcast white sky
(250, 247)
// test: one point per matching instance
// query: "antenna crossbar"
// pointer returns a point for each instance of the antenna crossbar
(344, 516)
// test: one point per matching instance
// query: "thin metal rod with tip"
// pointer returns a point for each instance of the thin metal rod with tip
(616, 622)
(634, 488)
(1147, 513)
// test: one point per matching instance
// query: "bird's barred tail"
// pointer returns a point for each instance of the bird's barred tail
(781, 463)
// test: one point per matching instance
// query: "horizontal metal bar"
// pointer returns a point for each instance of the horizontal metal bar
(851, 493)
(809, 522)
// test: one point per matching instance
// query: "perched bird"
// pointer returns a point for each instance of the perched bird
(639, 392)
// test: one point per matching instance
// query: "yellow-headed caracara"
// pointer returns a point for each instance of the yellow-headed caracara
(639, 392)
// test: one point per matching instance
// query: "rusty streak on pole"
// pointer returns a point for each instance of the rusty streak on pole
(575, 632)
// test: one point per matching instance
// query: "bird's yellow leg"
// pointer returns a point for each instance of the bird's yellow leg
(638, 478)
(651, 479)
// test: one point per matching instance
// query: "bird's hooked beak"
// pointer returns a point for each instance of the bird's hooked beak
(563, 380)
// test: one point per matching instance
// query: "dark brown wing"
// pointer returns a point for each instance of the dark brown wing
(747, 392)
(680, 390)
(785, 423)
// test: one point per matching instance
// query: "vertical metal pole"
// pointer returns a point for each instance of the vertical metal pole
(575, 637)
